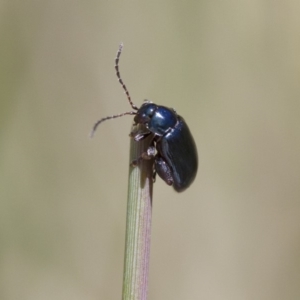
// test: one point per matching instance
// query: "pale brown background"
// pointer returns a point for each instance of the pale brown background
(231, 68)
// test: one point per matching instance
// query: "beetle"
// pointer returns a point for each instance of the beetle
(172, 147)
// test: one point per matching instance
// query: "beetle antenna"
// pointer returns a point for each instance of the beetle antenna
(126, 92)
(108, 118)
(120, 79)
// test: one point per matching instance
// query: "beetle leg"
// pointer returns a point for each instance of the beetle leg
(163, 170)
(139, 135)
(150, 153)
(154, 175)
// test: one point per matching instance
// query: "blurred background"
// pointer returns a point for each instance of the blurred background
(231, 68)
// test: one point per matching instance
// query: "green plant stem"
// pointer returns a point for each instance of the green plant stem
(138, 225)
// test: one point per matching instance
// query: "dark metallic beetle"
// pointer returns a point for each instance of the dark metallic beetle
(173, 147)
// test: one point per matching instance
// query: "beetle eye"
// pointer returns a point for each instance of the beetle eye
(150, 111)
